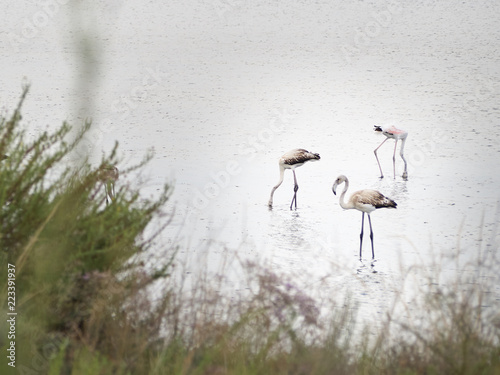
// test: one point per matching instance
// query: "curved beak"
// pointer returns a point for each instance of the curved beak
(334, 188)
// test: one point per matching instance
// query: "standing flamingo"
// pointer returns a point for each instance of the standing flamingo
(396, 134)
(108, 174)
(291, 160)
(365, 201)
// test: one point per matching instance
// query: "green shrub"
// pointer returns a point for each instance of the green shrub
(71, 251)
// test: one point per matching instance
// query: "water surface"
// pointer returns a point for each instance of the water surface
(221, 90)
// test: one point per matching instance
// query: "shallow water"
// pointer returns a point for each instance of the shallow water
(221, 89)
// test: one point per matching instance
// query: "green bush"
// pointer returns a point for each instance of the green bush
(71, 251)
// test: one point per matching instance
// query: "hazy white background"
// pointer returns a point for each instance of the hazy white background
(220, 89)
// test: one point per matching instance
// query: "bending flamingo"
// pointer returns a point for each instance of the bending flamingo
(396, 134)
(291, 160)
(365, 201)
(108, 174)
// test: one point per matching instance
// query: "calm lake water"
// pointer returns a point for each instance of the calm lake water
(221, 90)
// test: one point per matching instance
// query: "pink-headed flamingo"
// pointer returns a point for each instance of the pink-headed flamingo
(396, 134)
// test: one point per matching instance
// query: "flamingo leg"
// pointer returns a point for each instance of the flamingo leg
(106, 190)
(295, 188)
(394, 159)
(405, 173)
(371, 235)
(375, 152)
(361, 234)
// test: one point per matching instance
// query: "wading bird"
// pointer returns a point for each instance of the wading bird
(396, 134)
(365, 201)
(108, 174)
(291, 160)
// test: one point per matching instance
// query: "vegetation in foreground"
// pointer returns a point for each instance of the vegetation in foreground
(83, 295)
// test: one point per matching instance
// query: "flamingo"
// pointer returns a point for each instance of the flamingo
(108, 174)
(365, 201)
(291, 160)
(396, 134)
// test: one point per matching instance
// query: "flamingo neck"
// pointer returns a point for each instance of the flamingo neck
(282, 175)
(343, 204)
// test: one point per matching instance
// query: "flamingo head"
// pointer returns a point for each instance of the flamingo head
(340, 179)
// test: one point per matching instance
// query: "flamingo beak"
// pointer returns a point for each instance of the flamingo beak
(334, 188)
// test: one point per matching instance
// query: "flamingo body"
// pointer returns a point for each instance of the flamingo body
(365, 201)
(368, 200)
(290, 160)
(108, 174)
(391, 132)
